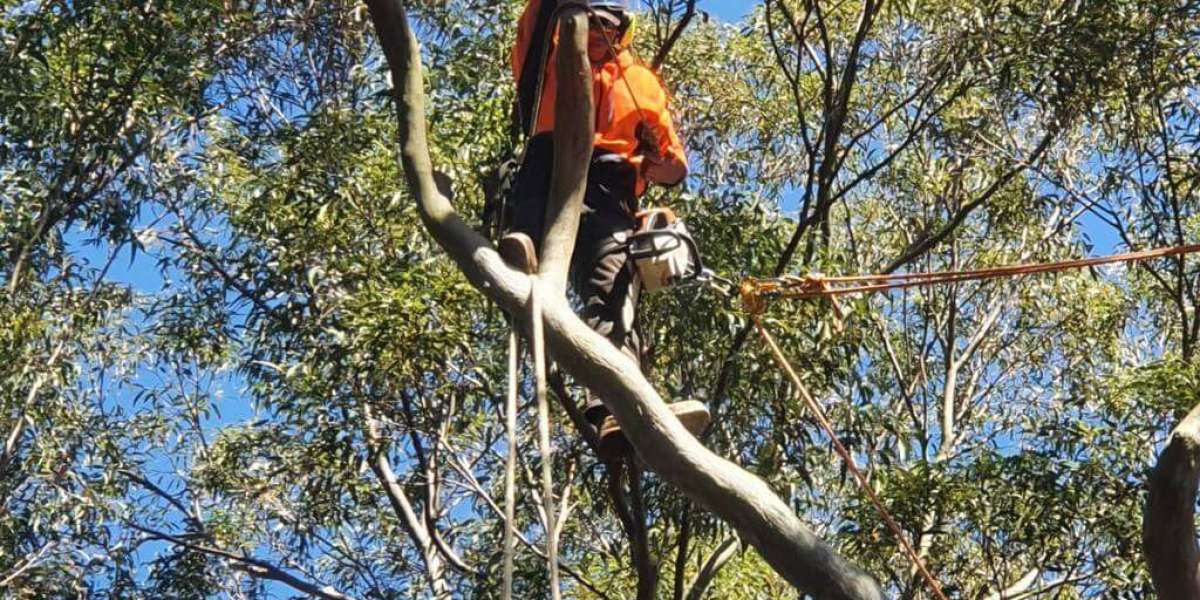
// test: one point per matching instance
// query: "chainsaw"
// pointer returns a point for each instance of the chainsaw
(665, 253)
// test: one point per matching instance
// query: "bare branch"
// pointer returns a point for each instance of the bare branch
(717, 561)
(413, 525)
(251, 566)
(474, 486)
(661, 56)
(923, 245)
(30, 561)
(161, 493)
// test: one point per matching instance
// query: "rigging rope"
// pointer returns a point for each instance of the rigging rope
(758, 293)
(545, 450)
(510, 461)
(544, 447)
(863, 484)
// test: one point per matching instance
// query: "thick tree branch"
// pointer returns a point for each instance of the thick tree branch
(574, 130)
(746, 502)
(1169, 527)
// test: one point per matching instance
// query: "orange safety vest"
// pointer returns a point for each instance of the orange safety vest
(616, 84)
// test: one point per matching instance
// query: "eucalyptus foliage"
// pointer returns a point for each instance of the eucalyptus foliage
(220, 309)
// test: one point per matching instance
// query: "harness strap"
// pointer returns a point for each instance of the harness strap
(533, 66)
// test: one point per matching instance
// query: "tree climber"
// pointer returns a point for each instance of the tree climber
(635, 144)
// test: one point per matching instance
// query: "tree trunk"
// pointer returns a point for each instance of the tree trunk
(1169, 529)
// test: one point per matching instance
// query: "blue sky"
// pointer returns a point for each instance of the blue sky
(727, 10)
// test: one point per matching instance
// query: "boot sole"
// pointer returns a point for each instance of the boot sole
(692, 414)
(518, 252)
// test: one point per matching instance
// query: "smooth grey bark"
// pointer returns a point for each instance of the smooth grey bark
(744, 501)
(574, 131)
(1169, 525)
(723, 554)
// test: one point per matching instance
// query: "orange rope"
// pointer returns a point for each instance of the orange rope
(819, 286)
(756, 294)
(863, 484)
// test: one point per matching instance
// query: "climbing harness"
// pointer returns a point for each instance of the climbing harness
(664, 251)
(494, 219)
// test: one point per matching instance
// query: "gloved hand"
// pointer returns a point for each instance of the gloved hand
(657, 167)
(648, 137)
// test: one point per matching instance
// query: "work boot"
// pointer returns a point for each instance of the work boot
(518, 251)
(614, 445)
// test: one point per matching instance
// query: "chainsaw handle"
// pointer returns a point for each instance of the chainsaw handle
(679, 240)
(647, 217)
(651, 251)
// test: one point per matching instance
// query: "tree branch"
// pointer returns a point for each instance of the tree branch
(717, 561)
(251, 566)
(574, 132)
(660, 57)
(746, 502)
(409, 521)
(474, 486)
(30, 561)
(923, 245)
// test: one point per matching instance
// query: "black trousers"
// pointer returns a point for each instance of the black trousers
(602, 275)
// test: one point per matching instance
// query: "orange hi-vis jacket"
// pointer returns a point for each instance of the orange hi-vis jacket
(621, 87)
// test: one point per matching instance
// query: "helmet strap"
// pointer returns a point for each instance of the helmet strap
(625, 37)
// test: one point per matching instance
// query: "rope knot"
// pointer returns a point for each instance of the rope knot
(815, 284)
(752, 299)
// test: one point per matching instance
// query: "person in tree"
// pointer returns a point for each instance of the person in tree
(635, 144)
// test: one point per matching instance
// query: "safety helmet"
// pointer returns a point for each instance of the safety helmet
(621, 6)
(623, 14)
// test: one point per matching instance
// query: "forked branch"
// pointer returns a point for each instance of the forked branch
(744, 501)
